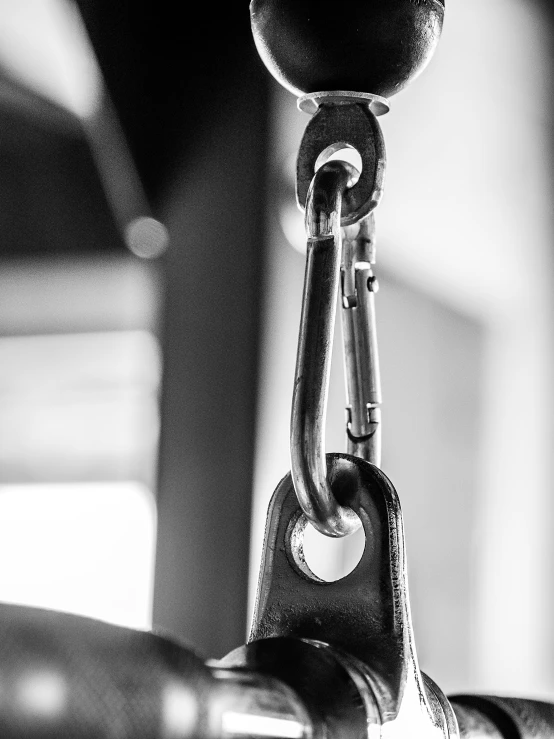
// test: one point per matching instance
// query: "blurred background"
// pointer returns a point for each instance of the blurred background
(150, 283)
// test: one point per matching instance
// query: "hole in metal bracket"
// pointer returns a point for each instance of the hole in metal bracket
(325, 558)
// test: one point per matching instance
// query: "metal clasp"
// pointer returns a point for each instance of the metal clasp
(332, 186)
(311, 384)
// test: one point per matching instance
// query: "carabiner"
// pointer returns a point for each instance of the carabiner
(313, 362)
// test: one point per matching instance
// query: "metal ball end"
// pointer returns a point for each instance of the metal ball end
(371, 46)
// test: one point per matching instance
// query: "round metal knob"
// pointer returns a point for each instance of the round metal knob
(369, 46)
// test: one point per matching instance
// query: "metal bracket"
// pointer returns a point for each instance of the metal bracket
(365, 614)
(350, 125)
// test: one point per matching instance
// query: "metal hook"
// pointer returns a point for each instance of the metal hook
(309, 402)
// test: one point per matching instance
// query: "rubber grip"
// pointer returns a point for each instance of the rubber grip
(508, 718)
(67, 676)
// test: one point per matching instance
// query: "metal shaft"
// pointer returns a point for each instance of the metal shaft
(247, 704)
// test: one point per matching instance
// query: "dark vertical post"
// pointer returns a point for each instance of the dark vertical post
(191, 96)
(210, 369)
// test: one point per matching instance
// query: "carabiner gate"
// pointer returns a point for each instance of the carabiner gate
(361, 358)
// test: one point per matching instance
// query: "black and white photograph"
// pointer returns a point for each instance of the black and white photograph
(277, 369)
